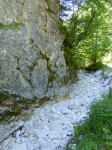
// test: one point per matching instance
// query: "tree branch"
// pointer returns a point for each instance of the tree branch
(83, 34)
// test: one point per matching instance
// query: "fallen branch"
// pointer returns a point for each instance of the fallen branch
(11, 133)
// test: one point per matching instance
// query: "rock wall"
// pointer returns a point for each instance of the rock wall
(32, 64)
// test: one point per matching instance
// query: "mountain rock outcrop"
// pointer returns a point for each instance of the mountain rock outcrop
(32, 64)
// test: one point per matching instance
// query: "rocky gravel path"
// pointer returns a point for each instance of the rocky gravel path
(51, 127)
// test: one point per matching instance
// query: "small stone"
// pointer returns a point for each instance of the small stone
(50, 137)
(1, 129)
(107, 88)
(49, 140)
(58, 137)
(59, 113)
(12, 124)
(20, 147)
(25, 134)
(56, 117)
(77, 103)
(36, 133)
(18, 133)
(12, 118)
(55, 141)
(63, 136)
(53, 110)
(18, 140)
(64, 127)
(109, 75)
(5, 143)
(64, 110)
(46, 128)
(72, 101)
(71, 107)
(22, 139)
(74, 117)
(106, 73)
(22, 131)
(106, 82)
(20, 123)
(29, 127)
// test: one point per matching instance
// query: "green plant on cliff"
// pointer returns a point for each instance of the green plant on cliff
(30, 68)
(51, 11)
(11, 26)
(17, 107)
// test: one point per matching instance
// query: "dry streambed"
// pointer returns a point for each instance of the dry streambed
(51, 127)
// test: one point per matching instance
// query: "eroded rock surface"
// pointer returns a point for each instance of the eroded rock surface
(32, 64)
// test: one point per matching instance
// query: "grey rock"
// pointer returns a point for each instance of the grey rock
(64, 110)
(20, 123)
(77, 103)
(32, 64)
(22, 131)
(109, 75)
(5, 143)
(25, 134)
(56, 117)
(71, 107)
(106, 73)
(29, 127)
(36, 133)
(51, 137)
(18, 140)
(18, 133)
(1, 129)
(63, 136)
(107, 81)
(97, 73)
(107, 88)
(20, 147)
(46, 128)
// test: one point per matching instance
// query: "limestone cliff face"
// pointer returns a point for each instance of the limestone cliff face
(32, 64)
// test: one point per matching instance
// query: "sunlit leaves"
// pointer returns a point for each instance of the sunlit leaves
(88, 32)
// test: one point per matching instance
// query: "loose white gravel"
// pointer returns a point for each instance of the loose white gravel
(51, 127)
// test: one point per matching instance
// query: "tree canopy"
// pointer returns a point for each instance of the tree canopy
(88, 31)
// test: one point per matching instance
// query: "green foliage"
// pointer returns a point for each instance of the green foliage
(30, 68)
(97, 130)
(87, 34)
(17, 107)
(51, 78)
(3, 97)
(94, 67)
(51, 11)
(12, 25)
(44, 56)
